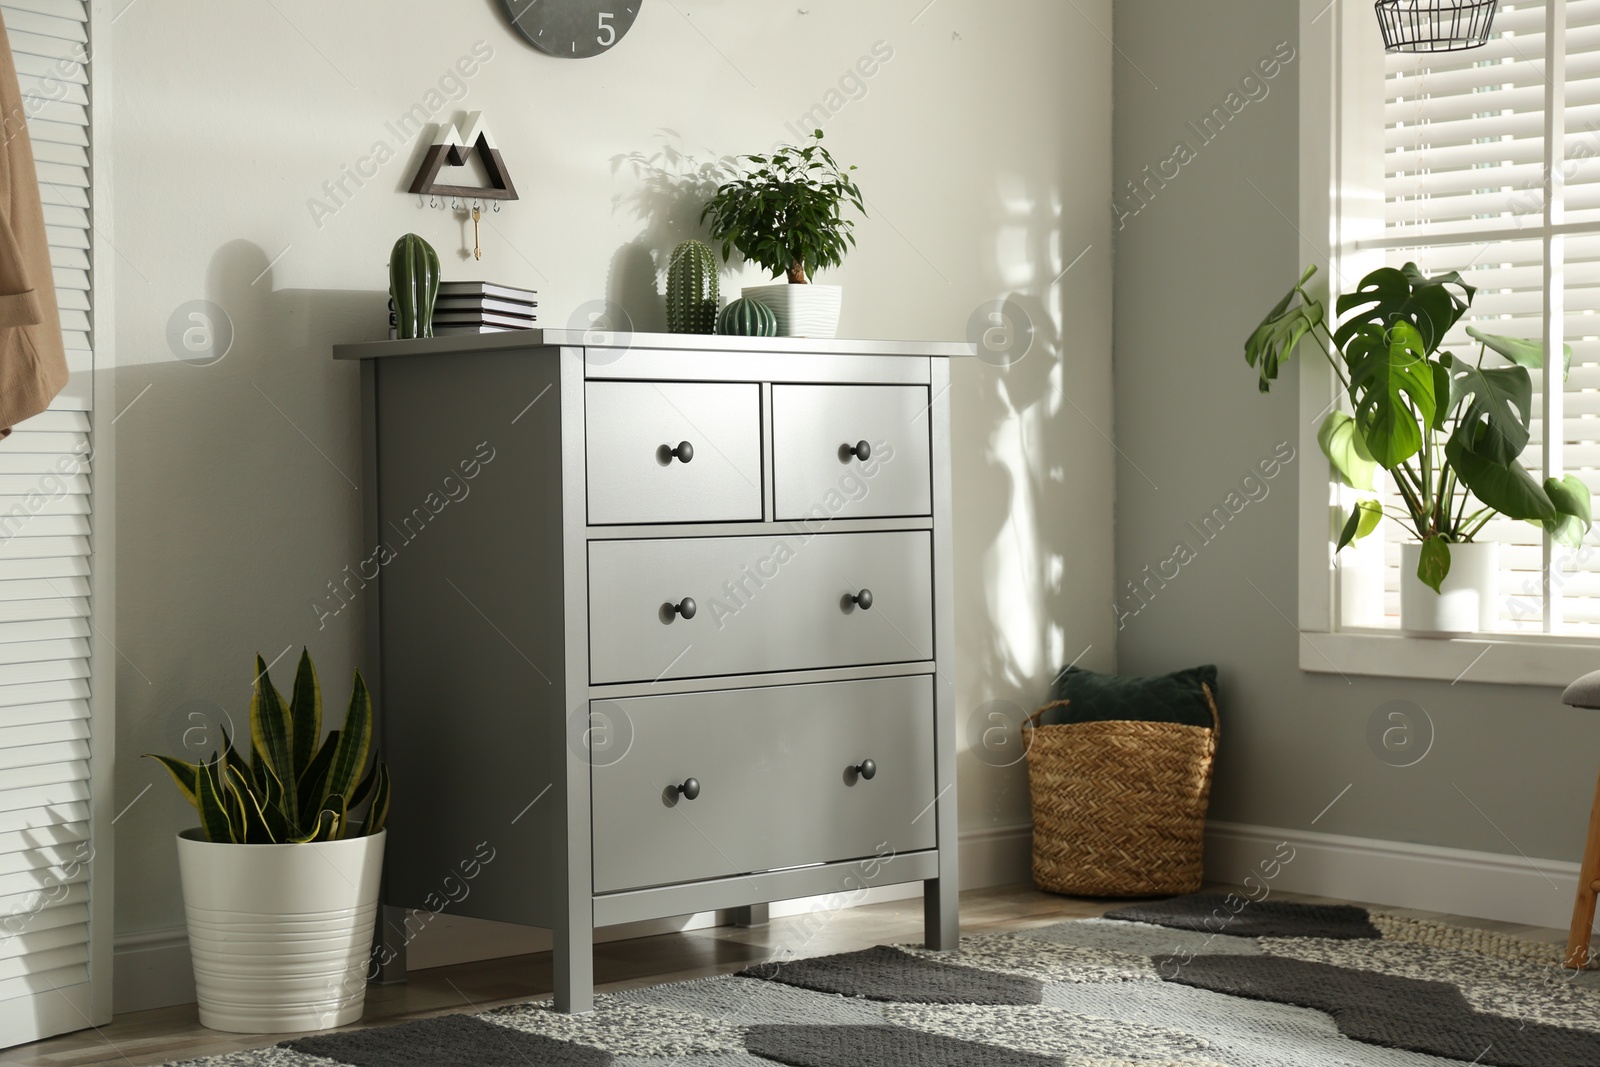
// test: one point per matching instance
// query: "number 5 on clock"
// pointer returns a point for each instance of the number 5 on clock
(608, 33)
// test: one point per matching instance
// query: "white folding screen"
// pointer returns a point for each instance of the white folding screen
(54, 714)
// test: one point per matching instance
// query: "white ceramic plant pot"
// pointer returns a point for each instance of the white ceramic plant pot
(280, 935)
(802, 310)
(1468, 600)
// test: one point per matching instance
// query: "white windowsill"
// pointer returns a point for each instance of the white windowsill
(1505, 659)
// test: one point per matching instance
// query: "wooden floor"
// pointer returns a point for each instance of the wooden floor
(163, 1034)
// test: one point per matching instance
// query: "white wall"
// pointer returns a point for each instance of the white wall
(984, 147)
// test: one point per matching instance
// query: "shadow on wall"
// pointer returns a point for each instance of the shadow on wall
(671, 189)
(217, 485)
(1010, 555)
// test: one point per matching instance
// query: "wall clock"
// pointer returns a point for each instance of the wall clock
(572, 29)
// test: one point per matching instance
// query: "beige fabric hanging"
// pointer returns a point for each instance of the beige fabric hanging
(33, 362)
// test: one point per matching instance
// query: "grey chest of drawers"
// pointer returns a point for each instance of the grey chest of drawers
(657, 625)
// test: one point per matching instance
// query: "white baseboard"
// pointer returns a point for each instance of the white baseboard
(151, 969)
(1485, 885)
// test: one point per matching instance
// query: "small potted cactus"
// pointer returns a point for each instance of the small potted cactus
(692, 289)
(786, 213)
(280, 879)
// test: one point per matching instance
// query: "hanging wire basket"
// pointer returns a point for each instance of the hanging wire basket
(1435, 25)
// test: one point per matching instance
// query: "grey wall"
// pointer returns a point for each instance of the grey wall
(984, 148)
(1511, 769)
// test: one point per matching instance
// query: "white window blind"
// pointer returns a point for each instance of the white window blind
(1465, 157)
(53, 934)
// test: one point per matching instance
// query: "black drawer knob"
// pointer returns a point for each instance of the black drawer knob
(683, 453)
(685, 607)
(863, 600)
(689, 789)
(861, 450)
(867, 769)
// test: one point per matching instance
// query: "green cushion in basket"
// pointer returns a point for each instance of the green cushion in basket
(1099, 697)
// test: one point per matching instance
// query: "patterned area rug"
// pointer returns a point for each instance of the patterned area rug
(1201, 981)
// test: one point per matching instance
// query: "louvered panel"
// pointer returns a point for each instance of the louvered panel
(22, 462)
(33, 818)
(32, 796)
(41, 589)
(42, 692)
(66, 236)
(45, 709)
(58, 711)
(44, 971)
(36, 920)
(60, 983)
(42, 503)
(68, 280)
(66, 9)
(41, 880)
(21, 20)
(37, 940)
(50, 630)
(75, 258)
(26, 757)
(51, 860)
(59, 421)
(42, 733)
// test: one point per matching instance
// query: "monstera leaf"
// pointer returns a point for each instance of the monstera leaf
(1522, 352)
(1347, 451)
(1570, 497)
(1275, 340)
(1433, 566)
(1364, 518)
(1392, 386)
(1506, 487)
(1389, 297)
(1501, 403)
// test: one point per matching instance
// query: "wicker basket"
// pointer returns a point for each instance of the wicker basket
(1119, 808)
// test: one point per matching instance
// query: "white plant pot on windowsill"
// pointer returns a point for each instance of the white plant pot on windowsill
(808, 310)
(280, 935)
(1468, 600)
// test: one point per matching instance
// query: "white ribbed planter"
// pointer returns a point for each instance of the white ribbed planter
(280, 935)
(810, 310)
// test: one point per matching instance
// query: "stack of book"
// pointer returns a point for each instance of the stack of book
(479, 307)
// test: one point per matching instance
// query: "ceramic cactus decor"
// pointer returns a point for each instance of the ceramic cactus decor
(692, 289)
(747, 318)
(413, 285)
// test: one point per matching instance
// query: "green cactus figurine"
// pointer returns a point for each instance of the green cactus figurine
(747, 317)
(413, 285)
(692, 289)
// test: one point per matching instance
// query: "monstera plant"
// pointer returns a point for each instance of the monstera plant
(1448, 429)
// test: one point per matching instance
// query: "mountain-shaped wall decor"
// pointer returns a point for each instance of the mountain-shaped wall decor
(455, 146)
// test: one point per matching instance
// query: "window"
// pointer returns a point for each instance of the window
(1442, 159)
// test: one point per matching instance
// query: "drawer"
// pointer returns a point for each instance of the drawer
(814, 473)
(773, 603)
(777, 788)
(631, 429)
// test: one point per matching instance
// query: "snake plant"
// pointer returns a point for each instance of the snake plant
(1448, 429)
(297, 786)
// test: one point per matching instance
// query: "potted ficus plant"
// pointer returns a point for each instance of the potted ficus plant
(785, 212)
(1449, 431)
(280, 879)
